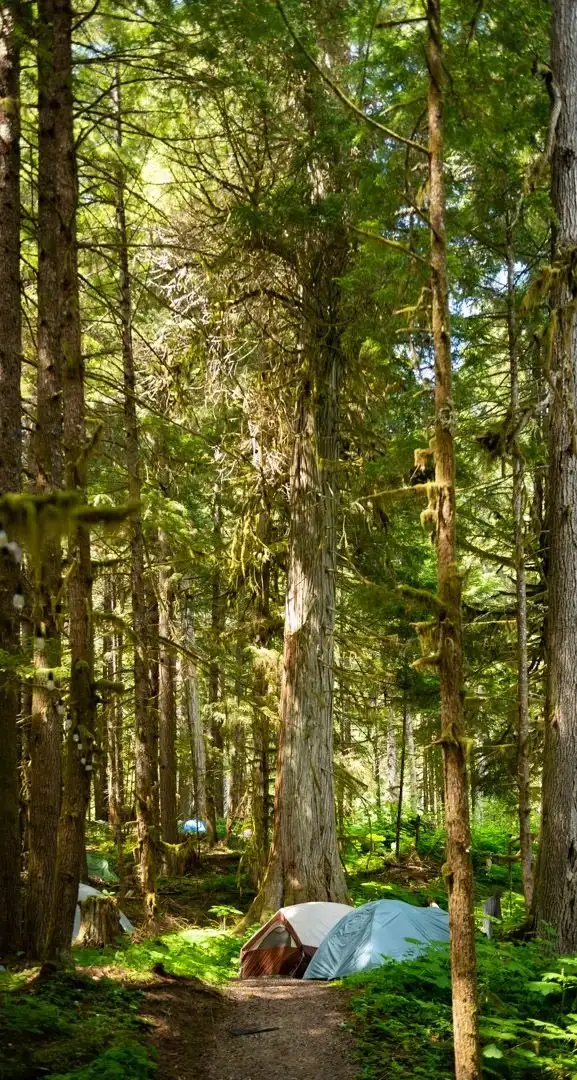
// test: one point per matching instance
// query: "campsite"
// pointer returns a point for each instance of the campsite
(288, 539)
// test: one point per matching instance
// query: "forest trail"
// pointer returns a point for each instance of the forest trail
(224, 1037)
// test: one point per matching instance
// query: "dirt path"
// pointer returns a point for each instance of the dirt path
(202, 1037)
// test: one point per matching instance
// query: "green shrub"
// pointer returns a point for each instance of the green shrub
(73, 1027)
(402, 1015)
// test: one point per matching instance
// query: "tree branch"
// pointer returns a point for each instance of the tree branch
(343, 97)
(392, 244)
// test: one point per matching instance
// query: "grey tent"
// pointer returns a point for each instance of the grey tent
(383, 928)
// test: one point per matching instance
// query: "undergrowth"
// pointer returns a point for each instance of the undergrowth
(402, 1016)
(211, 955)
(72, 1028)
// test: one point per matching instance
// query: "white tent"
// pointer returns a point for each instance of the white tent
(285, 944)
(83, 892)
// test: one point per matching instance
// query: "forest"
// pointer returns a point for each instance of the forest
(288, 520)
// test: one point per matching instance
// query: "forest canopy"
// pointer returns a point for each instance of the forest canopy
(288, 454)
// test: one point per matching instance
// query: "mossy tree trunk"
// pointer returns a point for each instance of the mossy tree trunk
(10, 467)
(450, 652)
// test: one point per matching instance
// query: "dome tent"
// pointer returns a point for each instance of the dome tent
(83, 892)
(389, 929)
(285, 944)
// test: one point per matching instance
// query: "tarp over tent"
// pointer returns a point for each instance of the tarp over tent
(83, 892)
(285, 944)
(376, 930)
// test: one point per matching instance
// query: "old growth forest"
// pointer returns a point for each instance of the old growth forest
(288, 532)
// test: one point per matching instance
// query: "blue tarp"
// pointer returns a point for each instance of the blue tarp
(197, 827)
(380, 929)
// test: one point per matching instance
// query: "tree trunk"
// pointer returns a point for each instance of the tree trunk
(166, 704)
(304, 861)
(555, 901)
(401, 775)
(99, 771)
(392, 771)
(146, 745)
(99, 922)
(114, 725)
(450, 652)
(412, 757)
(523, 745)
(10, 467)
(45, 726)
(194, 719)
(79, 751)
(215, 762)
(237, 789)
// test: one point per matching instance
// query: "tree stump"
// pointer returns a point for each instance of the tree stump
(99, 922)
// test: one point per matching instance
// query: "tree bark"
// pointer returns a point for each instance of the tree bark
(450, 652)
(194, 718)
(555, 897)
(523, 744)
(413, 781)
(114, 726)
(215, 761)
(10, 467)
(392, 770)
(99, 922)
(146, 742)
(46, 726)
(401, 773)
(166, 703)
(79, 752)
(304, 860)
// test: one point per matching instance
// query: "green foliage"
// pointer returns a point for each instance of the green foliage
(211, 955)
(73, 1028)
(402, 1015)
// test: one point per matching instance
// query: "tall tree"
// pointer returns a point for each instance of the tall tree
(46, 726)
(10, 465)
(304, 862)
(146, 747)
(555, 900)
(166, 701)
(450, 647)
(57, 15)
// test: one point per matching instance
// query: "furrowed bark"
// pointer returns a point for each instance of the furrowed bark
(166, 704)
(45, 724)
(523, 745)
(10, 468)
(82, 706)
(555, 893)
(146, 743)
(459, 866)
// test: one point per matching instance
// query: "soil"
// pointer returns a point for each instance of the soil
(259, 1029)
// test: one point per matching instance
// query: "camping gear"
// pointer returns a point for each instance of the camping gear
(285, 944)
(196, 827)
(98, 867)
(375, 931)
(83, 892)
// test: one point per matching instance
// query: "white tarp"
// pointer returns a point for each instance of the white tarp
(311, 923)
(83, 892)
